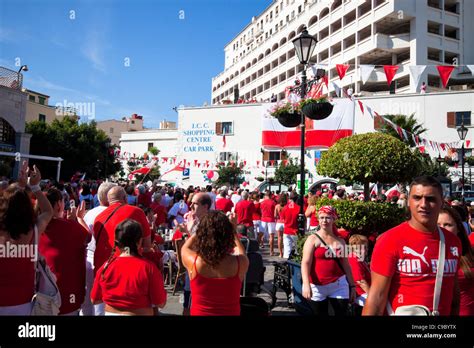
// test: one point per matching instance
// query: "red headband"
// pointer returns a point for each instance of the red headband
(327, 209)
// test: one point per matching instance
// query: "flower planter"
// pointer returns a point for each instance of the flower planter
(289, 120)
(301, 304)
(317, 111)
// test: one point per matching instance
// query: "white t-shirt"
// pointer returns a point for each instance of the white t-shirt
(178, 210)
(89, 219)
(236, 199)
(213, 199)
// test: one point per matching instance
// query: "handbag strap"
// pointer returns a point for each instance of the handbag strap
(35, 228)
(439, 272)
(102, 226)
(332, 251)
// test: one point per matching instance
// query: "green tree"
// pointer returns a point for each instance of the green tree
(408, 123)
(83, 147)
(287, 174)
(370, 157)
(154, 151)
(229, 175)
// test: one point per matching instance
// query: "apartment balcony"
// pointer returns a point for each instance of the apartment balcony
(249, 40)
(259, 33)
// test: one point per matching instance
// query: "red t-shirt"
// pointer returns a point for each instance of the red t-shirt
(161, 213)
(289, 214)
(224, 204)
(313, 220)
(410, 256)
(244, 210)
(471, 239)
(360, 271)
(129, 283)
(268, 210)
(466, 287)
(105, 242)
(257, 214)
(144, 199)
(63, 245)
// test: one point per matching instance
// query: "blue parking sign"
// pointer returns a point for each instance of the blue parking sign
(186, 172)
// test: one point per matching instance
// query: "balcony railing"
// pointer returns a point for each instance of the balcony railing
(10, 78)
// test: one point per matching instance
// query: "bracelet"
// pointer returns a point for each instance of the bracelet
(34, 188)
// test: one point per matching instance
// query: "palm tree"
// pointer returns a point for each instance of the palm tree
(408, 123)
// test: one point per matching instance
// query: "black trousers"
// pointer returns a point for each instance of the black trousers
(321, 308)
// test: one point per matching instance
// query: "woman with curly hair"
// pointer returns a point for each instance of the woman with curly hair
(217, 264)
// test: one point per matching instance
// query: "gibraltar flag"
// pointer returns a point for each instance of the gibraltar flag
(322, 133)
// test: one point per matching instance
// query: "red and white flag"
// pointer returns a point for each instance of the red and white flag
(319, 134)
(393, 191)
(375, 190)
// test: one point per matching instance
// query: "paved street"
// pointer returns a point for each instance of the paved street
(174, 307)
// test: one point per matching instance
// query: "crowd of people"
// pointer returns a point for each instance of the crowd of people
(105, 244)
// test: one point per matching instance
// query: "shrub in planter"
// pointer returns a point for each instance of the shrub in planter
(316, 109)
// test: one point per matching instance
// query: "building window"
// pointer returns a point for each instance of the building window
(32, 98)
(228, 156)
(41, 100)
(455, 119)
(150, 145)
(42, 118)
(226, 128)
(111, 130)
(274, 156)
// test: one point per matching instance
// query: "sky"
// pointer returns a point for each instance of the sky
(122, 56)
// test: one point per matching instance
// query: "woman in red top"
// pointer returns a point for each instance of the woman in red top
(17, 224)
(280, 223)
(129, 284)
(450, 220)
(311, 212)
(326, 274)
(216, 274)
(359, 246)
(257, 218)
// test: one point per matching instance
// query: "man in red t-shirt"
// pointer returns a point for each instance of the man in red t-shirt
(405, 258)
(63, 245)
(159, 210)
(289, 214)
(223, 203)
(106, 222)
(244, 210)
(267, 207)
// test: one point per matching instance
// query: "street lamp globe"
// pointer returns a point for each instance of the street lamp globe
(304, 46)
(462, 132)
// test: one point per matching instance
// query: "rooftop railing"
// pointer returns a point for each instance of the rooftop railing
(10, 78)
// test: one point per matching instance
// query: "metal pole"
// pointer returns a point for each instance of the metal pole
(462, 157)
(58, 171)
(301, 217)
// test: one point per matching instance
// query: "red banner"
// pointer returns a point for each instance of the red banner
(342, 69)
(445, 73)
(390, 71)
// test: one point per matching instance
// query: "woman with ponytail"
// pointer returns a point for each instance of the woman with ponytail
(325, 271)
(128, 284)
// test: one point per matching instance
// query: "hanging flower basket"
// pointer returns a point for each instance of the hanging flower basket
(287, 114)
(289, 119)
(316, 109)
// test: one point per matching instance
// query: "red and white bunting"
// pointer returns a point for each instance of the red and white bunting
(445, 73)
(342, 69)
(365, 72)
(390, 71)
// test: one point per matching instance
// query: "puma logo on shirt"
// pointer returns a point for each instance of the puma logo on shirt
(410, 251)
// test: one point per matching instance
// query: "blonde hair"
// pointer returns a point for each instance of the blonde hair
(358, 239)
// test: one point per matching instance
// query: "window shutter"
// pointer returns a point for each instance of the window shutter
(218, 128)
(266, 155)
(378, 122)
(451, 118)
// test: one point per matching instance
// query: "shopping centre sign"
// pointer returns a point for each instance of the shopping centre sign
(198, 138)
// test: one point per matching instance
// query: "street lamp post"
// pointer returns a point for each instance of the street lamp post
(304, 47)
(462, 132)
(439, 160)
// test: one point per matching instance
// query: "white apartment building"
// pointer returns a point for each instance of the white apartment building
(261, 60)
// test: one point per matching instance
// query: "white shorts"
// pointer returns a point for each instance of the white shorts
(115, 314)
(339, 289)
(279, 226)
(289, 244)
(256, 226)
(268, 228)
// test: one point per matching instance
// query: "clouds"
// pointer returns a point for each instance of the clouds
(93, 49)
